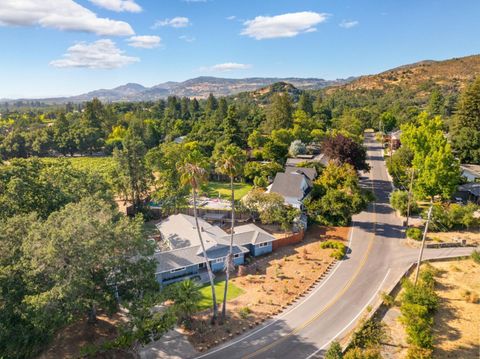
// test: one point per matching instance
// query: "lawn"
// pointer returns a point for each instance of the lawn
(206, 291)
(213, 189)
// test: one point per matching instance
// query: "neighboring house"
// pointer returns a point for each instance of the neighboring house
(255, 239)
(293, 185)
(469, 192)
(185, 257)
(395, 140)
(470, 172)
(320, 158)
(179, 140)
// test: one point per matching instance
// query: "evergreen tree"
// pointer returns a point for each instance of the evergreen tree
(280, 112)
(465, 129)
(305, 103)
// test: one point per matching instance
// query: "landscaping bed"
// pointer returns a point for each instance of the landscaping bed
(270, 284)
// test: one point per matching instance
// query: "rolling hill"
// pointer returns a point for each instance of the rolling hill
(451, 75)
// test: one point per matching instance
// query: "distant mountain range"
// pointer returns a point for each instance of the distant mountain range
(199, 87)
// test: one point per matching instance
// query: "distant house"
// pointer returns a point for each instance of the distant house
(469, 192)
(293, 185)
(319, 158)
(185, 258)
(470, 172)
(394, 142)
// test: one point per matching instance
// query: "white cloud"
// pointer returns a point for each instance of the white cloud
(187, 38)
(226, 67)
(101, 54)
(59, 14)
(233, 17)
(118, 5)
(176, 22)
(347, 24)
(286, 25)
(145, 41)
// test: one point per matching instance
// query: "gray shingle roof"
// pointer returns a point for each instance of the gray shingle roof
(472, 187)
(289, 185)
(250, 234)
(311, 173)
(184, 257)
(180, 231)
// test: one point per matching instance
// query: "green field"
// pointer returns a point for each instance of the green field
(206, 291)
(213, 189)
(101, 165)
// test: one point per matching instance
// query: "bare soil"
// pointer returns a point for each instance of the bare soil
(271, 283)
(71, 339)
(457, 320)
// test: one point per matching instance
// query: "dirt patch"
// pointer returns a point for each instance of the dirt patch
(271, 283)
(71, 339)
(457, 321)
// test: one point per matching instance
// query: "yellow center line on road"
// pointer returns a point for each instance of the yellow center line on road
(332, 302)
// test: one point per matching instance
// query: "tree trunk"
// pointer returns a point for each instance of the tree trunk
(229, 258)
(92, 314)
(209, 269)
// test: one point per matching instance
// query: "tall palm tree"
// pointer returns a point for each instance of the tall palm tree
(230, 163)
(193, 172)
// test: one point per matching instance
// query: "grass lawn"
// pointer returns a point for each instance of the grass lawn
(206, 291)
(212, 189)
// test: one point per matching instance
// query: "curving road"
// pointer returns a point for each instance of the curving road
(332, 309)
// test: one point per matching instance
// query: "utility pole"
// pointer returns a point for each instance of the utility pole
(409, 196)
(423, 243)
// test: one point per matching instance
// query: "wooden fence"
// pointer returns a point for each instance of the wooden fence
(291, 239)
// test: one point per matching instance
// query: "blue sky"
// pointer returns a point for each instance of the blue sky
(67, 47)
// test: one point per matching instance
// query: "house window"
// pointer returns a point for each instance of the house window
(261, 245)
(236, 255)
(177, 270)
(218, 260)
(201, 265)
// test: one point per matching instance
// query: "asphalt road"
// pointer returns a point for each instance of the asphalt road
(331, 310)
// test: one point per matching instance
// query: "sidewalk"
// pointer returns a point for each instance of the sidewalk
(172, 345)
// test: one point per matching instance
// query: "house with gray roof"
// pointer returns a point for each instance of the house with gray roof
(293, 185)
(185, 258)
(470, 172)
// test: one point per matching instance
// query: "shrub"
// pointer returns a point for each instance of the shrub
(453, 216)
(244, 312)
(334, 351)
(414, 233)
(370, 335)
(419, 353)
(387, 299)
(399, 201)
(476, 256)
(340, 248)
(358, 353)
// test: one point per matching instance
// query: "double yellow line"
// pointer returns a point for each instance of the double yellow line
(331, 303)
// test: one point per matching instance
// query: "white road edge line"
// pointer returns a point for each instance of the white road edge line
(355, 318)
(352, 227)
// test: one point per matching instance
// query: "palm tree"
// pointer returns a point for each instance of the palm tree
(230, 163)
(193, 172)
(186, 296)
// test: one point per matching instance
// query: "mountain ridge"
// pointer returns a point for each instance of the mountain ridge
(199, 87)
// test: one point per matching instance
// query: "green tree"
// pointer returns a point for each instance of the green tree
(132, 177)
(186, 296)
(465, 128)
(334, 351)
(436, 169)
(193, 172)
(436, 104)
(280, 112)
(305, 103)
(231, 163)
